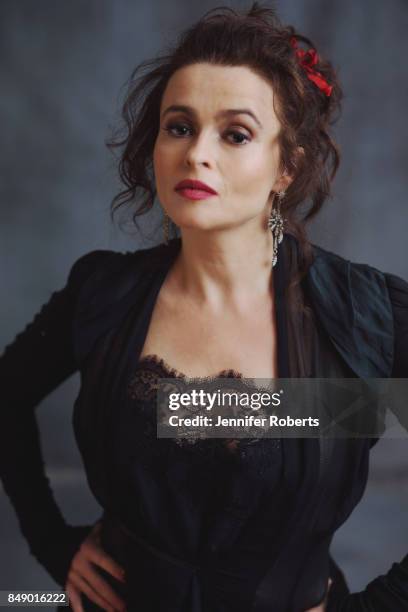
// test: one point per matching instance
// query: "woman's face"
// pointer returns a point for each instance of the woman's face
(218, 126)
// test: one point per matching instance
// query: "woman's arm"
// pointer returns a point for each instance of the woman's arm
(389, 592)
(35, 363)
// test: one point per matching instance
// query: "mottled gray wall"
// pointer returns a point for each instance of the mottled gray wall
(62, 68)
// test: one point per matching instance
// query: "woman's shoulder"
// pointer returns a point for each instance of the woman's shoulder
(366, 284)
(101, 263)
(105, 285)
(363, 309)
(358, 276)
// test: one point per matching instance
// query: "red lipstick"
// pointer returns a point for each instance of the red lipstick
(194, 190)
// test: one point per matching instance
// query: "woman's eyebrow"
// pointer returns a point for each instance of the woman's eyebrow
(229, 111)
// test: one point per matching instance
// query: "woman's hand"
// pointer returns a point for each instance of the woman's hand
(322, 606)
(83, 577)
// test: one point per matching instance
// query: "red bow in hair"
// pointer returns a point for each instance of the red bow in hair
(307, 60)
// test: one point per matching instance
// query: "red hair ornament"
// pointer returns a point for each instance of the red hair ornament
(308, 59)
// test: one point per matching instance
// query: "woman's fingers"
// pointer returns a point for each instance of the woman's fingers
(92, 550)
(74, 597)
(83, 567)
(99, 584)
(84, 587)
(83, 575)
(99, 557)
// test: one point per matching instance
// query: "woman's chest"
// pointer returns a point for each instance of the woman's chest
(199, 345)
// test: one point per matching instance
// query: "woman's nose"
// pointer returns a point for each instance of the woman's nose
(200, 151)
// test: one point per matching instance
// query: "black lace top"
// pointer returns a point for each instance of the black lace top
(230, 488)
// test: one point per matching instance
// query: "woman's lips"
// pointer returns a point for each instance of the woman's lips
(195, 194)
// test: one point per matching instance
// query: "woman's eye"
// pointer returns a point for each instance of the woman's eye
(242, 138)
(175, 129)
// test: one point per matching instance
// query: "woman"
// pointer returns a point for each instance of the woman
(232, 129)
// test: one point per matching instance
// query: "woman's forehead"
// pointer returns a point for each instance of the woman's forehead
(212, 88)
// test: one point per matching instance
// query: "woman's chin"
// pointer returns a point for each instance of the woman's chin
(198, 222)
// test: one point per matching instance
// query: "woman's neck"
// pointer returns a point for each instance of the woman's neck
(224, 267)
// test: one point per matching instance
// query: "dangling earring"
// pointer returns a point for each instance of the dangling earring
(166, 227)
(276, 225)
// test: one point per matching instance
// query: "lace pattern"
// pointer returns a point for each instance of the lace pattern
(143, 387)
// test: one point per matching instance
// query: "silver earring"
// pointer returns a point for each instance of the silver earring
(166, 228)
(276, 224)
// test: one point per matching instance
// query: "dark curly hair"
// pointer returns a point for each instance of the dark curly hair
(257, 39)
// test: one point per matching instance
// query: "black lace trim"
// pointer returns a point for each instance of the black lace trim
(156, 364)
(143, 387)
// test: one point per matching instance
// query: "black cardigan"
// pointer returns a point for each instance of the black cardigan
(363, 312)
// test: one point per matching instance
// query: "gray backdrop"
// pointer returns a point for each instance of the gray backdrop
(63, 66)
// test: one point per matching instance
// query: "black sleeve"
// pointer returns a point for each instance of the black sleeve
(389, 592)
(35, 363)
(398, 291)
